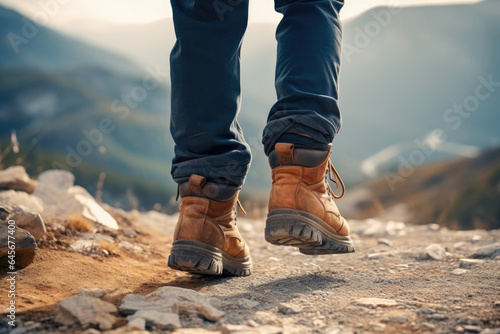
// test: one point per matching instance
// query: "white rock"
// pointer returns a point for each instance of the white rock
(435, 252)
(23, 200)
(87, 311)
(169, 300)
(395, 228)
(376, 302)
(376, 256)
(241, 329)
(470, 263)
(194, 331)
(92, 210)
(82, 245)
(289, 308)
(91, 331)
(16, 178)
(458, 271)
(137, 323)
(62, 199)
(488, 251)
(168, 320)
(56, 179)
(373, 228)
(131, 247)
(159, 222)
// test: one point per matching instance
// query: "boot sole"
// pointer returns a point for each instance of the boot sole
(199, 258)
(296, 228)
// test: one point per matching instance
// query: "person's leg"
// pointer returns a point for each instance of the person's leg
(211, 157)
(309, 48)
(205, 76)
(301, 127)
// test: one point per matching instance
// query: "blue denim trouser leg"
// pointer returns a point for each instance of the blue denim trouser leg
(205, 76)
(307, 69)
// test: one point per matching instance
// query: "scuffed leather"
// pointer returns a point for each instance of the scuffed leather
(303, 188)
(210, 222)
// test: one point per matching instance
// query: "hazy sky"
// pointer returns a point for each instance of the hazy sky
(141, 11)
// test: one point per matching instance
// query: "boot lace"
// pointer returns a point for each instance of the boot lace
(333, 175)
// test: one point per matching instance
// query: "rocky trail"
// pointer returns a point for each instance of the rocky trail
(91, 276)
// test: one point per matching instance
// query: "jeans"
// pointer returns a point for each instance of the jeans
(206, 93)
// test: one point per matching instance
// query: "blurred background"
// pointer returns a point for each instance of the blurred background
(84, 86)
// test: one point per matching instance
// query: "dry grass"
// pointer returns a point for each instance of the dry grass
(110, 247)
(80, 223)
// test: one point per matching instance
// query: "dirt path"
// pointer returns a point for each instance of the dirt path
(429, 297)
(293, 293)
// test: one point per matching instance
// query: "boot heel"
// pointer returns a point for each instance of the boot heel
(195, 257)
(283, 229)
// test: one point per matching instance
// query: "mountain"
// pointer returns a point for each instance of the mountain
(402, 74)
(27, 45)
(472, 188)
(86, 109)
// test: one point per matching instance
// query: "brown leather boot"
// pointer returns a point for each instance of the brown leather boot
(206, 239)
(302, 212)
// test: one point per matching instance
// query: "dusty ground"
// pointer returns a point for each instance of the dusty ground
(324, 289)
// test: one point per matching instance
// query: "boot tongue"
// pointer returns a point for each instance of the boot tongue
(286, 154)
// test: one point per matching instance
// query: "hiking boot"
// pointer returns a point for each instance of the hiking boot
(302, 212)
(206, 239)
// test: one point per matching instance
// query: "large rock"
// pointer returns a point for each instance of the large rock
(489, 251)
(25, 246)
(16, 178)
(87, 311)
(63, 199)
(29, 221)
(23, 200)
(162, 306)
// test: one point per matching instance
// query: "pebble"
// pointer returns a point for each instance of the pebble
(426, 311)
(385, 242)
(376, 256)
(470, 263)
(241, 329)
(376, 302)
(472, 329)
(289, 308)
(96, 293)
(251, 323)
(435, 252)
(437, 317)
(398, 319)
(476, 238)
(458, 271)
(428, 325)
